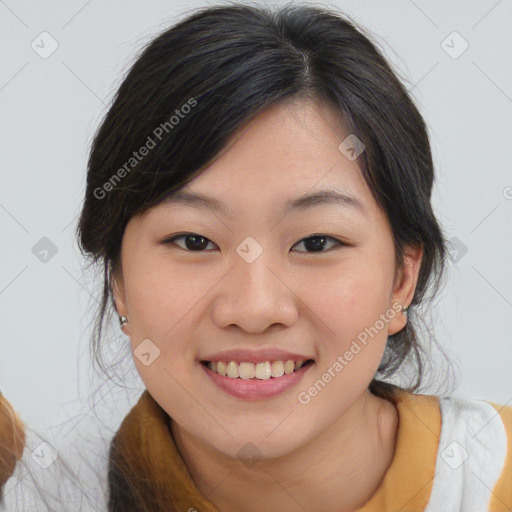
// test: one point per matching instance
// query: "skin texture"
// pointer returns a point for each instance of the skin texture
(331, 454)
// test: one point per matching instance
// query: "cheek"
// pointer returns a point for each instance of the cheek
(166, 302)
(162, 300)
(350, 304)
(161, 293)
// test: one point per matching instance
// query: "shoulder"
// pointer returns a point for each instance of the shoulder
(474, 455)
(505, 413)
(471, 455)
(502, 493)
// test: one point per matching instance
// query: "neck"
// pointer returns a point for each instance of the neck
(336, 472)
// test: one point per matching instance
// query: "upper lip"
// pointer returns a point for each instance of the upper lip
(255, 356)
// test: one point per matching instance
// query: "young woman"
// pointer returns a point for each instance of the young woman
(259, 197)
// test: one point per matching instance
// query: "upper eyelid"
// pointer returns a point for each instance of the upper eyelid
(332, 238)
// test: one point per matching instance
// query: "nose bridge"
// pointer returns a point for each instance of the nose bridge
(253, 270)
(255, 297)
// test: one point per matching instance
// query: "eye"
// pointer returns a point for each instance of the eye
(197, 243)
(317, 242)
(193, 241)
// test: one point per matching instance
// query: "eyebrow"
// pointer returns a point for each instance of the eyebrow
(302, 203)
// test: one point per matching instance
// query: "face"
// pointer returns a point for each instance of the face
(316, 280)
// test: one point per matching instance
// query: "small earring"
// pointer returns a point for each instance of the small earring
(123, 321)
(404, 310)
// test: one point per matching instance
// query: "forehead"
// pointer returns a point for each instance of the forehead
(333, 197)
(288, 155)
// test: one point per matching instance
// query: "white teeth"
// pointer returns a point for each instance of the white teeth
(262, 371)
(246, 370)
(289, 366)
(277, 369)
(233, 370)
(221, 369)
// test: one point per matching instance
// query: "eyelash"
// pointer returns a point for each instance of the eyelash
(338, 243)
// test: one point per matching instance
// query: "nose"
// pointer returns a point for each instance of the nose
(255, 296)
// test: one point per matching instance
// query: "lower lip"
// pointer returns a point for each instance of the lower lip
(256, 389)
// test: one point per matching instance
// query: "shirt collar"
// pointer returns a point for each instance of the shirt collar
(406, 485)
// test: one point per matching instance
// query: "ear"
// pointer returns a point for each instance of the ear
(404, 287)
(118, 290)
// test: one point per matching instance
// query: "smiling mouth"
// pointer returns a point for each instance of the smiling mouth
(262, 371)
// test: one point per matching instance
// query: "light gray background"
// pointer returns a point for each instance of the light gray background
(50, 108)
